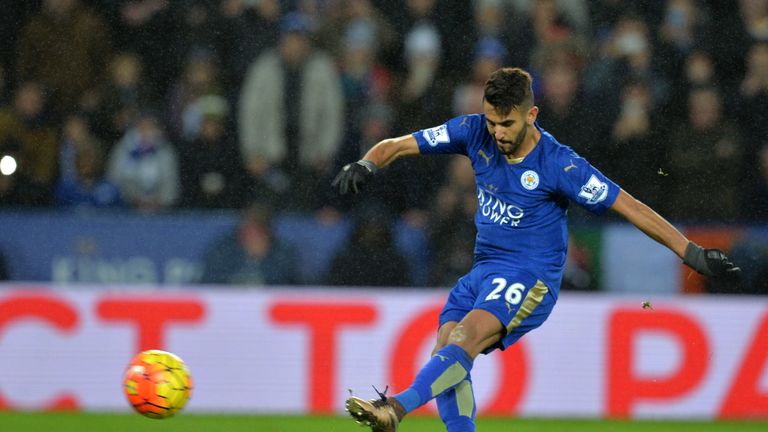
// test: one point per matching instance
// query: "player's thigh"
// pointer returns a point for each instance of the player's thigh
(478, 331)
(511, 295)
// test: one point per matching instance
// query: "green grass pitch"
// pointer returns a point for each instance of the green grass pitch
(79, 422)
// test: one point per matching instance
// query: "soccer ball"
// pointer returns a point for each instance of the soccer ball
(157, 384)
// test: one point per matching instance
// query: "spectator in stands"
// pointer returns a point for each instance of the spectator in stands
(254, 26)
(447, 18)
(551, 20)
(121, 98)
(199, 26)
(211, 168)
(144, 166)
(358, 24)
(316, 11)
(490, 54)
(603, 15)
(563, 110)
(753, 119)
(753, 95)
(706, 165)
(252, 255)
(86, 185)
(571, 13)
(291, 117)
(626, 54)
(65, 46)
(634, 142)
(198, 79)
(738, 25)
(540, 23)
(683, 24)
(754, 14)
(370, 257)
(496, 19)
(489, 19)
(75, 131)
(365, 81)
(698, 70)
(145, 27)
(422, 95)
(26, 132)
(756, 79)
(451, 230)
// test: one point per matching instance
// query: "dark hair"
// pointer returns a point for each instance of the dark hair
(508, 89)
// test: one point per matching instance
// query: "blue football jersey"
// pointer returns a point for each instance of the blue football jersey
(521, 216)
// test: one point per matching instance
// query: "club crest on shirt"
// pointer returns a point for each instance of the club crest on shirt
(530, 180)
(594, 190)
(436, 135)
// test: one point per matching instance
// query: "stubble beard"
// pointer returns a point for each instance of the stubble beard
(515, 145)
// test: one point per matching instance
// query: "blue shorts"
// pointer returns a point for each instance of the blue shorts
(517, 298)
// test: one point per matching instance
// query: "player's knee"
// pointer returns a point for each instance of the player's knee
(470, 338)
(459, 335)
(442, 336)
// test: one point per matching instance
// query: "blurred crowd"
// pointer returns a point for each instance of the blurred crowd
(154, 105)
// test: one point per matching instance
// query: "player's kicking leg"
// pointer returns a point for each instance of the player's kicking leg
(448, 368)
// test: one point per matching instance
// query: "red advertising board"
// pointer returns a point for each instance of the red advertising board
(300, 351)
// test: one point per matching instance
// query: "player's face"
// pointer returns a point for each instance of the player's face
(510, 130)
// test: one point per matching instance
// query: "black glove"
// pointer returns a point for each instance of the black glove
(709, 262)
(353, 176)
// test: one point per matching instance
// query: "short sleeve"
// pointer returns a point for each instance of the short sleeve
(451, 137)
(585, 184)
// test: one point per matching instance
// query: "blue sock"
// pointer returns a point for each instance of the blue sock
(446, 369)
(457, 407)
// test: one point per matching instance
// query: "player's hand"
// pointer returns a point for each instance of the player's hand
(353, 176)
(709, 262)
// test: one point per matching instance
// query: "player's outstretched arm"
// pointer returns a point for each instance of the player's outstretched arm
(354, 175)
(709, 262)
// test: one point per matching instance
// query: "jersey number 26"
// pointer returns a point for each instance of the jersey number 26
(514, 292)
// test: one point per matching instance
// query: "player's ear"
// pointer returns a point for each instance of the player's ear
(532, 114)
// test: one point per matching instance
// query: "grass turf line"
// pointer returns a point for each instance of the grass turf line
(185, 422)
